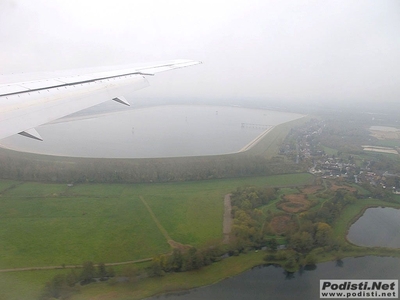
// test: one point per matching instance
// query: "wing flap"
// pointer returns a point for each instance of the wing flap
(31, 133)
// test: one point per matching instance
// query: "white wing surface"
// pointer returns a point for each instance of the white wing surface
(25, 105)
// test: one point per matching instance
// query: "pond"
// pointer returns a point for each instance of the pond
(379, 226)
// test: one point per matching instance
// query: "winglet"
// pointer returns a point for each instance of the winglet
(122, 100)
(31, 133)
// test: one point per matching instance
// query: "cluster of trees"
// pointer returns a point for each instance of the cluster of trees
(248, 219)
(247, 198)
(311, 235)
(311, 230)
(191, 259)
(315, 229)
(332, 207)
(291, 259)
(63, 286)
(251, 228)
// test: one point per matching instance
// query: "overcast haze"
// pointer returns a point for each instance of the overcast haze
(291, 50)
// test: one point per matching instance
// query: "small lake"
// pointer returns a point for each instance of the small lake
(162, 131)
(271, 282)
(379, 226)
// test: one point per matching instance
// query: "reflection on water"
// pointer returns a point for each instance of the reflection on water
(377, 227)
(272, 282)
(165, 131)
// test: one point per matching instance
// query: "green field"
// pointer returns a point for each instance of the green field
(69, 230)
(24, 285)
(54, 224)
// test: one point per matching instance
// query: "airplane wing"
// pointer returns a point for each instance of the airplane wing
(28, 104)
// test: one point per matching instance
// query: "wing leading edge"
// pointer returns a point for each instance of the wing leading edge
(28, 104)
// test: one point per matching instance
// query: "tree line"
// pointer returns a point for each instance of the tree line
(31, 167)
(185, 260)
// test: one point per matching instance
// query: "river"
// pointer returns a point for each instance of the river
(162, 131)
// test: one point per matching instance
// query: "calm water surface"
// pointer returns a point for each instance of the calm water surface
(378, 226)
(164, 131)
(270, 282)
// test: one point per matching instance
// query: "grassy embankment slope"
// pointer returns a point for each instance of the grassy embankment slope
(270, 144)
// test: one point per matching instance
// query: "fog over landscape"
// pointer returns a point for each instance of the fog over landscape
(270, 168)
(303, 51)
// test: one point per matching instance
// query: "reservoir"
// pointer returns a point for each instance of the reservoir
(274, 283)
(379, 226)
(161, 131)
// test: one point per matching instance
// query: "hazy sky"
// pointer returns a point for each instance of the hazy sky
(312, 50)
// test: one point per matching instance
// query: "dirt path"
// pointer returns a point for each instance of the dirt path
(160, 227)
(227, 223)
(170, 241)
